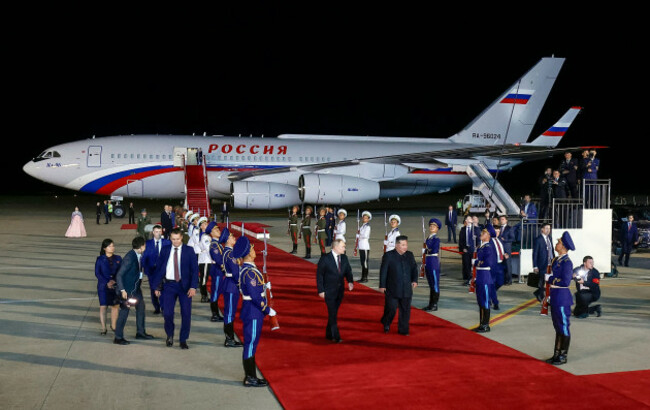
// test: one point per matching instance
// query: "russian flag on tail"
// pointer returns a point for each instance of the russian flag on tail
(517, 97)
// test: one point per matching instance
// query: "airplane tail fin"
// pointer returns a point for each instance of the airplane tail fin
(552, 136)
(515, 112)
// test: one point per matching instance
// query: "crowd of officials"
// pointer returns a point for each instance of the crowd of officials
(186, 254)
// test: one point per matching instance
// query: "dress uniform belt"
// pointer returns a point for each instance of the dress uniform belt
(321, 230)
(432, 254)
(229, 275)
(293, 224)
(244, 297)
(559, 287)
(483, 268)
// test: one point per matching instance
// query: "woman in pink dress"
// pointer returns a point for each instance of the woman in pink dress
(76, 228)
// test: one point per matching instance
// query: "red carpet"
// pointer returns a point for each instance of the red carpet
(635, 385)
(129, 226)
(440, 365)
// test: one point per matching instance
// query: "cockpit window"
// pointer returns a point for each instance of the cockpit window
(56, 154)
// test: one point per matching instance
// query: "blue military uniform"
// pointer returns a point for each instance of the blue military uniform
(230, 287)
(254, 308)
(561, 300)
(497, 271)
(432, 266)
(216, 274)
(485, 259)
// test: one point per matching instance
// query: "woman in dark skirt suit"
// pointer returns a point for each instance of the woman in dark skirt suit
(106, 267)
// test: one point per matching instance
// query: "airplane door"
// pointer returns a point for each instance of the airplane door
(179, 156)
(94, 158)
(134, 188)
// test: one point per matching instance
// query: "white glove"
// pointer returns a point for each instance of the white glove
(267, 285)
(424, 250)
(272, 312)
(386, 243)
(357, 236)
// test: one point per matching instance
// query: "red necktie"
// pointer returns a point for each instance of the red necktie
(177, 276)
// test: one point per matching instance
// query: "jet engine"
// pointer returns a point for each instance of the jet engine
(336, 189)
(263, 195)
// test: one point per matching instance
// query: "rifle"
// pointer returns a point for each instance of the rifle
(472, 282)
(275, 325)
(385, 232)
(302, 216)
(424, 250)
(356, 244)
(547, 295)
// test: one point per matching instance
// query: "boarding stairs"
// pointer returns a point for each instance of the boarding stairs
(491, 189)
(196, 190)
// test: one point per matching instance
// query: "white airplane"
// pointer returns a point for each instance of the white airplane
(271, 173)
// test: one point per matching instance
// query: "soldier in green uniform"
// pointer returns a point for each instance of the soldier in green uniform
(320, 231)
(143, 220)
(305, 228)
(293, 228)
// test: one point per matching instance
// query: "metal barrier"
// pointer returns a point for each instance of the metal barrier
(567, 213)
(530, 229)
(596, 193)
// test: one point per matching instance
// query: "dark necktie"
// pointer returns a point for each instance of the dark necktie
(468, 235)
(177, 275)
(158, 246)
(338, 260)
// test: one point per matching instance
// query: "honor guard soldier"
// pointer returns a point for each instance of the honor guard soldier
(230, 290)
(364, 245)
(293, 228)
(320, 231)
(561, 298)
(394, 221)
(305, 227)
(196, 234)
(498, 269)
(216, 270)
(143, 221)
(432, 264)
(191, 227)
(204, 257)
(484, 261)
(330, 225)
(340, 228)
(254, 307)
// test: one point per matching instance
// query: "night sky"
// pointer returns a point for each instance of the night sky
(273, 70)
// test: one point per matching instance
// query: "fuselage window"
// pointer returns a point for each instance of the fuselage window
(131, 156)
(112, 155)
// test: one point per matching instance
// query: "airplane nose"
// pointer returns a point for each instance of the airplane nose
(30, 168)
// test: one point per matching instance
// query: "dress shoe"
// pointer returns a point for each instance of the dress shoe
(481, 329)
(428, 308)
(435, 307)
(466, 283)
(386, 329)
(103, 332)
(599, 311)
(337, 340)
(403, 334)
(170, 341)
(250, 381)
(184, 345)
(582, 316)
(495, 307)
(232, 343)
(156, 312)
(216, 318)
(120, 341)
(144, 335)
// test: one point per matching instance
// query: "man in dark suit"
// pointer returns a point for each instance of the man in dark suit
(128, 279)
(166, 221)
(467, 238)
(569, 170)
(450, 222)
(507, 237)
(332, 268)
(177, 277)
(629, 239)
(398, 276)
(543, 255)
(587, 289)
(149, 258)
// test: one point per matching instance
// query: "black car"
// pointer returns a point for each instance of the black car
(642, 220)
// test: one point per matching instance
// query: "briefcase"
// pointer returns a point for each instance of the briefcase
(533, 279)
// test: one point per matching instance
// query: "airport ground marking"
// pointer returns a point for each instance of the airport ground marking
(511, 312)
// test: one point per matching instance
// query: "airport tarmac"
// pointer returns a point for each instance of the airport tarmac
(53, 356)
